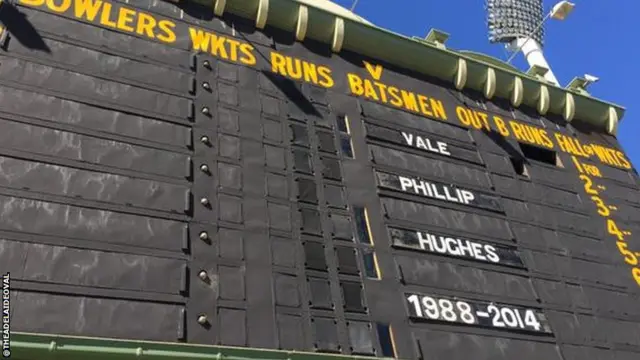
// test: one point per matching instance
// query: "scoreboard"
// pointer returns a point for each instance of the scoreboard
(173, 176)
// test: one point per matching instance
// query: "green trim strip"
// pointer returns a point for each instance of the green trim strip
(28, 346)
(429, 59)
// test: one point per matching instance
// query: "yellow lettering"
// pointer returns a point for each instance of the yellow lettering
(106, 13)
(409, 100)
(32, 2)
(614, 158)
(396, 100)
(382, 88)
(482, 120)
(168, 35)
(374, 71)
(369, 91)
(310, 72)
(87, 9)
(247, 50)
(294, 68)
(438, 109)
(199, 39)
(517, 130)
(234, 49)
(355, 84)
(603, 154)
(501, 125)
(424, 106)
(217, 46)
(564, 144)
(64, 6)
(538, 136)
(528, 134)
(125, 18)
(146, 23)
(463, 115)
(278, 63)
(623, 160)
(546, 141)
(325, 74)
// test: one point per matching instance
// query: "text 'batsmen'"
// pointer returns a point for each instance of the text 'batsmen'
(507, 317)
(453, 246)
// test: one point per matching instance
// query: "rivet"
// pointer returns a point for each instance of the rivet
(203, 275)
(205, 110)
(202, 319)
(204, 235)
(204, 201)
(206, 86)
(205, 140)
(207, 64)
(204, 168)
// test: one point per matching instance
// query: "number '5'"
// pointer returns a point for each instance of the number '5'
(629, 257)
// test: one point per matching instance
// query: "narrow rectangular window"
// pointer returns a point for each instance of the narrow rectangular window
(343, 124)
(385, 335)
(371, 268)
(346, 146)
(362, 224)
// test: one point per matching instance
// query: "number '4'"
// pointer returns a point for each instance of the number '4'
(531, 320)
(612, 228)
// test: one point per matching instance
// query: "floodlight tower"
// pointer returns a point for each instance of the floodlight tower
(519, 24)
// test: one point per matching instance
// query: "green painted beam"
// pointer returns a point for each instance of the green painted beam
(418, 55)
(27, 346)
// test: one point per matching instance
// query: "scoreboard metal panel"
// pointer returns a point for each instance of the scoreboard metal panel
(247, 193)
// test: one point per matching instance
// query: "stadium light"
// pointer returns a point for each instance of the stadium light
(560, 11)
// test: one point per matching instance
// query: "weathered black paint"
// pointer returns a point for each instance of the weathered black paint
(102, 156)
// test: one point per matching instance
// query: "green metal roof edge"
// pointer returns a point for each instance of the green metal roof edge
(491, 60)
(431, 60)
(29, 346)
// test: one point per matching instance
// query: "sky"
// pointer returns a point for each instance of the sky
(598, 38)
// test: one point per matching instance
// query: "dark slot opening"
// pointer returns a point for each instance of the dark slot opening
(386, 341)
(539, 154)
(362, 226)
(345, 145)
(343, 125)
(519, 165)
(370, 265)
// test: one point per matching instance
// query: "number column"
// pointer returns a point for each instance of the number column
(587, 175)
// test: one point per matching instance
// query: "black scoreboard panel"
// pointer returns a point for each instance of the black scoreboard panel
(154, 192)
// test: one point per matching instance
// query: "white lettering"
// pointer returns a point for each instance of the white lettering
(425, 242)
(442, 148)
(426, 144)
(477, 251)
(491, 253)
(452, 246)
(438, 191)
(467, 196)
(420, 143)
(448, 195)
(405, 183)
(466, 248)
(437, 195)
(457, 247)
(421, 186)
(408, 138)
